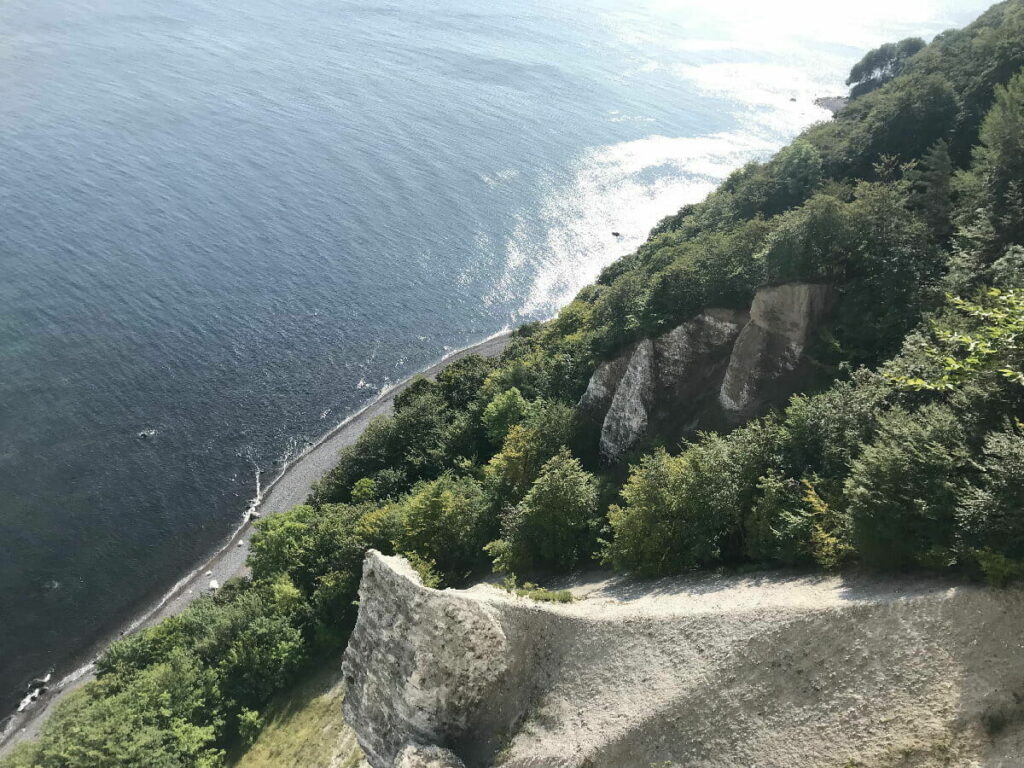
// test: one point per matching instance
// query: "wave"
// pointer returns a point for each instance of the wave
(623, 188)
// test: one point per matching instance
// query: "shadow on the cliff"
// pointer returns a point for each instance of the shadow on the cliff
(853, 586)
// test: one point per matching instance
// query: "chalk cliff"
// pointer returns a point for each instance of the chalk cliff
(721, 367)
(705, 671)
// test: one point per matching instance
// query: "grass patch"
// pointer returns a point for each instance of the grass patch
(303, 726)
(534, 592)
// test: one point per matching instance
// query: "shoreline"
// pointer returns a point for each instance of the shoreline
(290, 487)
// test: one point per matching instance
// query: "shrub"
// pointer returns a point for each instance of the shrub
(552, 528)
(446, 522)
(903, 488)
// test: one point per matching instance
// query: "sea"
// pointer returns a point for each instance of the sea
(227, 224)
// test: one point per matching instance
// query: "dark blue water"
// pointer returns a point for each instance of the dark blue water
(233, 222)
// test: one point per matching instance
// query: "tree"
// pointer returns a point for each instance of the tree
(881, 65)
(991, 511)
(995, 183)
(931, 182)
(167, 716)
(503, 412)
(446, 521)
(796, 172)
(552, 527)
(511, 471)
(981, 340)
(688, 510)
(903, 489)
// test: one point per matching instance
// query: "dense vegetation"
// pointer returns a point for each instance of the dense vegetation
(909, 455)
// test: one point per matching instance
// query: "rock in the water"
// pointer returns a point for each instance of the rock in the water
(765, 361)
(626, 420)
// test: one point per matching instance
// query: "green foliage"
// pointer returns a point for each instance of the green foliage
(507, 409)
(908, 452)
(686, 511)
(394, 452)
(165, 716)
(552, 528)
(446, 522)
(533, 592)
(364, 490)
(994, 186)
(931, 180)
(991, 510)
(902, 490)
(249, 726)
(988, 339)
(999, 570)
(510, 473)
(459, 382)
(882, 64)
(321, 551)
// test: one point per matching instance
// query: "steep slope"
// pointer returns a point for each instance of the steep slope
(770, 671)
(721, 367)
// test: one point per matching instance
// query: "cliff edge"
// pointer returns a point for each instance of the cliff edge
(768, 671)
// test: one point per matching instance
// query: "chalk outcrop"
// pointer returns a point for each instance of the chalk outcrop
(423, 668)
(709, 671)
(626, 420)
(765, 364)
(719, 368)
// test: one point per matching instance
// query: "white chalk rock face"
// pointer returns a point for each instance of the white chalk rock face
(418, 756)
(669, 381)
(626, 420)
(772, 671)
(419, 666)
(603, 384)
(769, 350)
(685, 352)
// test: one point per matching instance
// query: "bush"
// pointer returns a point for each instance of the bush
(903, 489)
(552, 528)
(446, 522)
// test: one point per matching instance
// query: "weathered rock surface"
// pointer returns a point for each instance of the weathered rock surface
(703, 672)
(604, 382)
(690, 361)
(418, 756)
(422, 667)
(667, 382)
(719, 368)
(626, 420)
(765, 364)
